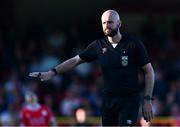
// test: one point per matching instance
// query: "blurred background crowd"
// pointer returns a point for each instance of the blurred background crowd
(31, 40)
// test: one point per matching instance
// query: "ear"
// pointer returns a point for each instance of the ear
(119, 24)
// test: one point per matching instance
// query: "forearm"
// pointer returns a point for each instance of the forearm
(149, 82)
(59, 69)
(68, 65)
(65, 66)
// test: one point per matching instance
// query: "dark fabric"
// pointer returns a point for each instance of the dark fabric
(119, 65)
(120, 111)
(89, 54)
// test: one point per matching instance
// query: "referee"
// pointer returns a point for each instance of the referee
(120, 57)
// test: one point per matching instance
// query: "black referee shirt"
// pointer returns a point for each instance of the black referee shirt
(119, 65)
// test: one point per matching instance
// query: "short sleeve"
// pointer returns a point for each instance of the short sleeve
(49, 115)
(142, 57)
(89, 54)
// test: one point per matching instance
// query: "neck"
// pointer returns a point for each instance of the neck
(115, 39)
(33, 106)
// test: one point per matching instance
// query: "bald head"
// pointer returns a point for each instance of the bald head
(110, 22)
(112, 14)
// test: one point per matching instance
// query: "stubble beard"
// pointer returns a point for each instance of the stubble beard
(112, 33)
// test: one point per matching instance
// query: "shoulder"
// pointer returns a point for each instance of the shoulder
(97, 42)
(46, 110)
(133, 40)
(24, 110)
(44, 107)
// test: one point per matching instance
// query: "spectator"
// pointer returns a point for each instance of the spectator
(35, 114)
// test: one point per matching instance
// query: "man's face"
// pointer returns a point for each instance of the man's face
(31, 98)
(110, 25)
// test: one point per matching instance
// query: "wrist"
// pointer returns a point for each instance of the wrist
(148, 98)
(54, 71)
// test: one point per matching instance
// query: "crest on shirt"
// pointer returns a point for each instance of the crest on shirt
(104, 50)
(124, 60)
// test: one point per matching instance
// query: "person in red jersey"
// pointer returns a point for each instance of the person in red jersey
(35, 114)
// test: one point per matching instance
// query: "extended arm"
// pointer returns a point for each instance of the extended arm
(61, 68)
(68, 64)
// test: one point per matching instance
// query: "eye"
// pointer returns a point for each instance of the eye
(110, 22)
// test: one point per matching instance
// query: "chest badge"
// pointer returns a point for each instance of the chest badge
(104, 50)
(124, 60)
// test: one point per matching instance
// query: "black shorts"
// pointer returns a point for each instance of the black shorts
(120, 111)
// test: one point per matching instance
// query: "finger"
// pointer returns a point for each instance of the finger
(33, 74)
(151, 115)
(148, 116)
(39, 75)
(143, 114)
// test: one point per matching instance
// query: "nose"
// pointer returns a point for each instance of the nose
(106, 25)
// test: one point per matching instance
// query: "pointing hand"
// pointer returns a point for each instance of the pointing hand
(44, 76)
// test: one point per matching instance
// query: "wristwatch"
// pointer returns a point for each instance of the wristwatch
(55, 71)
(148, 98)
